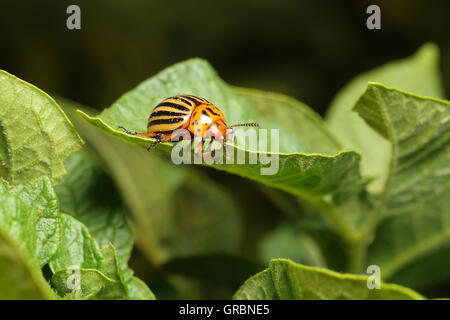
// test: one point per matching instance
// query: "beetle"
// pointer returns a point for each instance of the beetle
(197, 115)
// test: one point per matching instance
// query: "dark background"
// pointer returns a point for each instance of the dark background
(303, 48)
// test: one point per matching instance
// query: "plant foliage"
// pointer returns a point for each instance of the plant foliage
(366, 186)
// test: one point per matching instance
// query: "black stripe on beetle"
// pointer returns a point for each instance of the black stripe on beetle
(164, 121)
(188, 102)
(197, 100)
(172, 105)
(167, 113)
(210, 110)
(193, 101)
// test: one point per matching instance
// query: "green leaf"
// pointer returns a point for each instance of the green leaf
(412, 210)
(31, 215)
(418, 73)
(29, 237)
(171, 215)
(310, 175)
(330, 182)
(83, 270)
(126, 286)
(31, 224)
(285, 280)
(80, 284)
(112, 269)
(426, 273)
(77, 248)
(35, 135)
(78, 265)
(138, 290)
(89, 195)
(20, 275)
(239, 105)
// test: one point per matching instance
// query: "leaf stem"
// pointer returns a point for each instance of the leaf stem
(357, 254)
(366, 233)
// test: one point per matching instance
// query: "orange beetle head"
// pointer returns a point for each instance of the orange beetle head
(218, 130)
(224, 131)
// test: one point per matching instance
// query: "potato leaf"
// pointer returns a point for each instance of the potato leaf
(171, 215)
(29, 237)
(418, 73)
(138, 290)
(20, 276)
(80, 284)
(412, 209)
(77, 248)
(32, 225)
(35, 135)
(31, 215)
(89, 195)
(83, 270)
(310, 163)
(285, 280)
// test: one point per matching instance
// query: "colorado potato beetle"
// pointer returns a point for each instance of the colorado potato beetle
(197, 115)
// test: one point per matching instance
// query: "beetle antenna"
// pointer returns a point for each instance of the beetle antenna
(253, 124)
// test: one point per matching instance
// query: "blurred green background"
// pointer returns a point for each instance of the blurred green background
(305, 49)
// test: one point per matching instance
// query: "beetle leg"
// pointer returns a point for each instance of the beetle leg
(198, 149)
(153, 144)
(127, 131)
(207, 153)
(159, 138)
(135, 133)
